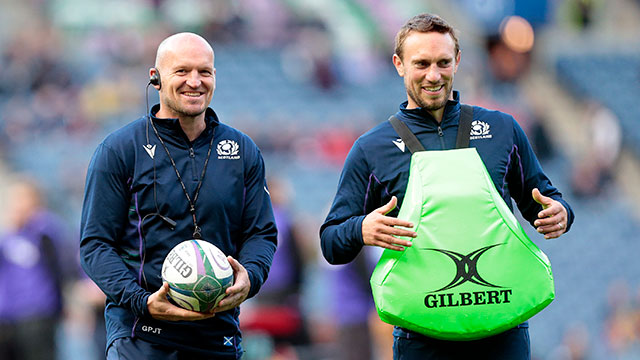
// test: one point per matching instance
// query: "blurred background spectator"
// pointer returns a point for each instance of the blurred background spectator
(304, 79)
(360, 334)
(275, 315)
(35, 264)
(594, 172)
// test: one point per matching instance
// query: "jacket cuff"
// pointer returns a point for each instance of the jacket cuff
(255, 284)
(140, 308)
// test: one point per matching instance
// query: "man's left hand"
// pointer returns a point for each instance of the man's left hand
(238, 292)
(552, 220)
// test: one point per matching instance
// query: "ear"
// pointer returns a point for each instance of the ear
(457, 61)
(397, 62)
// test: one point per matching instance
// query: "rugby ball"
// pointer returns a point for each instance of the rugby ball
(198, 274)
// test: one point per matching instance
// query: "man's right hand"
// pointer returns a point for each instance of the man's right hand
(379, 229)
(161, 308)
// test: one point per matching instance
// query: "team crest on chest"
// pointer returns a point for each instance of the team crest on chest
(480, 130)
(228, 150)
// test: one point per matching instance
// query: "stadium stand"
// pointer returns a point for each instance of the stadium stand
(91, 80)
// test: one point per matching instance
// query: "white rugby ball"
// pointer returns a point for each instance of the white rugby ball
(198, 274)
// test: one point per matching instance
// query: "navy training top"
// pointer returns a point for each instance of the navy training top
(233, 209)
(377, 168)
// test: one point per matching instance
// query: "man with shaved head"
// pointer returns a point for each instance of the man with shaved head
(187, 103)
(175, 174)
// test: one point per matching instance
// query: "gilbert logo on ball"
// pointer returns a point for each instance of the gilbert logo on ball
(198, 274)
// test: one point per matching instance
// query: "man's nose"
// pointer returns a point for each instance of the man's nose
(194, 79)
(433, 73)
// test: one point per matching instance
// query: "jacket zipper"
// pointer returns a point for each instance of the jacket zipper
(441, 136)
(192, 155)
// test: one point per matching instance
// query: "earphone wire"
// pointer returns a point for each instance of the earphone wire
(155, 197)
(149, 120)
(146, 96)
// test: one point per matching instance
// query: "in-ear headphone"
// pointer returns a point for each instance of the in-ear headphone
(155, 79)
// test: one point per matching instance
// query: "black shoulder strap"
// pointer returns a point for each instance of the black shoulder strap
(413, 144)
(410, 140)
(464, 126)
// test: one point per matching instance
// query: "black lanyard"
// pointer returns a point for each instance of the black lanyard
(197, 234)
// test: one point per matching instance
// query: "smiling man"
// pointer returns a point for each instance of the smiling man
(175, 174)
(188, 80)
(376, 178)
(431, 61)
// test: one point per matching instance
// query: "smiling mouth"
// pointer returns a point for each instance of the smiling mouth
(432, 89)
(192, 94)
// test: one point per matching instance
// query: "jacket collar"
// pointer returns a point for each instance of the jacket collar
(423, 117)
(170, 127)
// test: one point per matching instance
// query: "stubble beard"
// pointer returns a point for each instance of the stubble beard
(179, 110)
(429, 105)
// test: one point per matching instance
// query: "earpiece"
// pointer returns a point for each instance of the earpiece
(155, 79)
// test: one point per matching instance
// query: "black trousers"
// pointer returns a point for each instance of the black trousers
(512, 344)
(138, 349)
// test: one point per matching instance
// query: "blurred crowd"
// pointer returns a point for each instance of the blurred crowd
(622, 329)
(73, 70)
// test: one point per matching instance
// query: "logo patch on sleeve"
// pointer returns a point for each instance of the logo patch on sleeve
(227, 340)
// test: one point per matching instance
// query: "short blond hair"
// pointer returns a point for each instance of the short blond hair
(424, 23)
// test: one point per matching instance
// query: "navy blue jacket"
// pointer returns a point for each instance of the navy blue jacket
(233, 209)
(377, 168)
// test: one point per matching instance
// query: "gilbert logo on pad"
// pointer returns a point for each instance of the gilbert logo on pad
(466, 268)
(467, 271)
